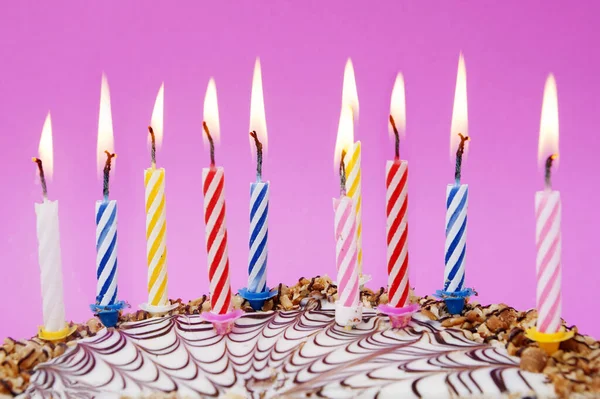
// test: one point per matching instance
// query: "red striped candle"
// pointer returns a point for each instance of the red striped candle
(396, 183)
(213, 186)
(397, 232)
(346, 251)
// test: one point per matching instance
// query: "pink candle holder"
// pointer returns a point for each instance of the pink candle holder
(222, 322)
(399, 317)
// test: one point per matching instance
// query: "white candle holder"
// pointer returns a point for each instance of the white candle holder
(348, 316)
(158, 310)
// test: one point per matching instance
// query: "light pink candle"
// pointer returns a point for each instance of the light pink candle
(548, 243)
(346, 251)
(547, 219)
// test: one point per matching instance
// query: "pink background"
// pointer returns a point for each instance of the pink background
(53, 56)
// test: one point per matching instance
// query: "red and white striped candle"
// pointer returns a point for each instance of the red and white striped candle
(396, 179)
(547, 218)
(346, 251)
(397, 232)
(213, 187)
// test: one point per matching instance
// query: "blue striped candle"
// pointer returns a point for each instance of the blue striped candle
(259, 235)
(106, 252)
(456, 236)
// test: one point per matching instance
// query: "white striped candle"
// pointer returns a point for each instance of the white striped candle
(397, 232)
(353, 187)
(346, 251)
(548, 262)
(213, 184)
(259, 235)
(106, 252)
(156, 237)
(50, 265)
(456, 236)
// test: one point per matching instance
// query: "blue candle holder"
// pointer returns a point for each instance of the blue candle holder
(257, 299)
(109, 314)
(455, 301)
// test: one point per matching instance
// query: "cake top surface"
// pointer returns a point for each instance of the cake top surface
(290, 354)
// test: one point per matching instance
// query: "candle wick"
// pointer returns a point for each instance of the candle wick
(459, 155)
(153, 147)
(212, 144)
(107, 166)
(259, 155)
(343, 175)
(397, 135)
(42, 177)
(548, 170)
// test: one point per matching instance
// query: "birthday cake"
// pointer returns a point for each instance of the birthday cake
(295, 349)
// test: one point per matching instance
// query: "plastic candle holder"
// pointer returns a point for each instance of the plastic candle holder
(455, 301)
(549, 342)
(399, 317)
(257, 299)
(56, 335)
(109, 314)
(223, 323)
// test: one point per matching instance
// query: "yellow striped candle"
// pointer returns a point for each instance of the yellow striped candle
(353, 185)
(156, 220)
(156, 226)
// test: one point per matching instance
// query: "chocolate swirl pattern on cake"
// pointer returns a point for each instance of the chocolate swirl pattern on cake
(284, 354)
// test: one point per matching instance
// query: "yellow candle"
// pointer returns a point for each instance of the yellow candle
(156, 226)
(156, 220)
(353, 189)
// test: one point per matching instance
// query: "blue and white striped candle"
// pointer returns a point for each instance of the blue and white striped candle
(259, 235)
(106, 252)
(457, 196)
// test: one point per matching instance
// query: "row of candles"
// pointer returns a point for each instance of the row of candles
(347, 215)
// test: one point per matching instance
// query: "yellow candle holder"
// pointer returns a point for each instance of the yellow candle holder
(56, 335)
(548, 341)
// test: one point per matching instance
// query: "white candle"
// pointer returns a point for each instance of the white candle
(50, 265)
(49, 241)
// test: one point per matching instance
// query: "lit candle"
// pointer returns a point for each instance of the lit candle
(547, 215)
(55, 326)
(259, 191)
(156, 223)
(457, 193)
(396, 177)
(348, 310)
(106, 305)
(548, 332)
(106, 209)
(454, 292)
(213, 187)
(353, 160)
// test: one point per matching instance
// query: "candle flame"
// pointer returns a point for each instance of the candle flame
(45, 149)
(106, 140)
(349, 91)
(157, 119)
(345, 135)
(548, 141)
(460, 120)
(211, 113)
(258, 122)
(398, 106)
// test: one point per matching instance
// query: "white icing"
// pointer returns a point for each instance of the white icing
(284, 354)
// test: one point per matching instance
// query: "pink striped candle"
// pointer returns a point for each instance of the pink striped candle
(397, 232)
(346, 251)
(547, 217)
(548, 242)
